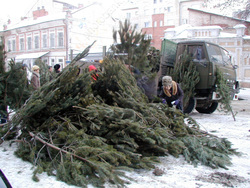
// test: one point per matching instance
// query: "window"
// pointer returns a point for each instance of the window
(226, 57)
(148, 36)
(155, 23)
(13, 45)
(196, 52)
(45, 45)
(169, 9)
(146, 24)
(9, 45)
(21, 42)
(52, 61)
(60, 39)
(128, 16)
(36, 44)
(161, 23)
(170, 22)
(29, 43)
(214, 53)
(52, 40)
(155, 1)
(146, 12)
(184, 21)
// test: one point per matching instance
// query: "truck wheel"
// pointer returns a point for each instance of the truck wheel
(191, 105)
(209, 109)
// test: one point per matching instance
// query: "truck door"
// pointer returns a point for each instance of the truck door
(203, 66)
(168, 53)
(220, 57)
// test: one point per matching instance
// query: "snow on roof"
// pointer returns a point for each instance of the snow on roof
(30, 55)
(206, 27)
(240, 26)
(31, 21)
(183, 31)
(206, 12)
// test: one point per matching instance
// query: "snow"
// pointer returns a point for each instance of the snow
(177, 172)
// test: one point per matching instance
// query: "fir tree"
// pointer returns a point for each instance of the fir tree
(14, 86)
(131, 46)
(185, 73)
(3, 105)
(142, 60)
(225, 93)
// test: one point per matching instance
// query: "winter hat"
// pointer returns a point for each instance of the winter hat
(92, 67)
(57, 66)
(35, 67)
(167, 81)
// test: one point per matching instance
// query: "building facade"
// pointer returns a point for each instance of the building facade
(44, 38)
(57, 37)
(153, 17)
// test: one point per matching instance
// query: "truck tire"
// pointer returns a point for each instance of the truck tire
(208, 110)
(191, 105)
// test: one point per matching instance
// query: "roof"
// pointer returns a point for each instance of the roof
(31, 55)
(29, 22)
(197, 10)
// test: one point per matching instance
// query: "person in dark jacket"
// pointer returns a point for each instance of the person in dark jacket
(171, 93)
(57, 68)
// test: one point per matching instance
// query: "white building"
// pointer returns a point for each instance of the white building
(56, 36)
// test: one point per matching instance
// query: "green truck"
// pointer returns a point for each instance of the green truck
(206, 57)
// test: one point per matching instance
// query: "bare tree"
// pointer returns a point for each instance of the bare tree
(243, 13)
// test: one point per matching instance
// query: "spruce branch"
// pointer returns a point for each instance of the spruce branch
(57, 148)
(226, 94)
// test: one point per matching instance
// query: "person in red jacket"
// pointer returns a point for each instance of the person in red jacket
(94, 70)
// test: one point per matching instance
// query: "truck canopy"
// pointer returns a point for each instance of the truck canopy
(168, 52)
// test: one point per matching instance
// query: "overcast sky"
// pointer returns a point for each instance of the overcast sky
(15, 9)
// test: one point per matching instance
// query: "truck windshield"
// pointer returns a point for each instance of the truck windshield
(226, 57)
(196, 52)
(218, 54)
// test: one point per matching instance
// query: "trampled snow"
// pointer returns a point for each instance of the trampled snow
(176, 171)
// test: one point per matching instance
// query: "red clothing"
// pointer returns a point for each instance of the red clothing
(93, 68)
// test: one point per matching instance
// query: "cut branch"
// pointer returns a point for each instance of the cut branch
(57, 148)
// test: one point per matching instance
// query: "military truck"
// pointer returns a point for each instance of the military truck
(206, 56)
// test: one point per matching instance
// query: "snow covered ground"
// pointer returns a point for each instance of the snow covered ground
(176, 171)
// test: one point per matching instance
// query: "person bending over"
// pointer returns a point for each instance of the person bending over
(171, 93)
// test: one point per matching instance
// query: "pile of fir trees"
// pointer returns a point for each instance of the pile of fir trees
(87, 131)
